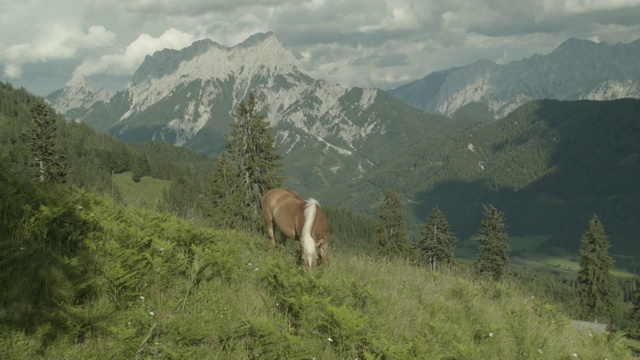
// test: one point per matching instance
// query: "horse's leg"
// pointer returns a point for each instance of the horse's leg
(270, 229)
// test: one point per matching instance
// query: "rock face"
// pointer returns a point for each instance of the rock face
(188, 97)
(576, 70)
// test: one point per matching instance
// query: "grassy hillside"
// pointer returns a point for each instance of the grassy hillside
(146, 191)
(140, 284)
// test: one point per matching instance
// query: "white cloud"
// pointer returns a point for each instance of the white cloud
(127, 62)
(354, 43)
(57, 42)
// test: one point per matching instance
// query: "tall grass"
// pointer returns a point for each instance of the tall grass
(154, 286)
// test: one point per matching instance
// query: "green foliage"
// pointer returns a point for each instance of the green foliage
(598, 292)
(493, 260)
(135, 283)
(94, 158)
(40, 136)
(390, 235)
(437, 244)
(633, 324)
(250, 170)
(351, 230)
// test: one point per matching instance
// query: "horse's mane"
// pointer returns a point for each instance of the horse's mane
(309, 217)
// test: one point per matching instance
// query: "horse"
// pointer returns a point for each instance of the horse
(299, 219)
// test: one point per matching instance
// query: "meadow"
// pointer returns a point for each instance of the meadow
(143, 284)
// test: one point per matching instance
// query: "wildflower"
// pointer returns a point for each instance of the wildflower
(129, 323)
(330, 340)
(141, 297)
(151, 313)
(256, 269)
(490, 334)
(250, 264)
(574, 355)
(161, 249)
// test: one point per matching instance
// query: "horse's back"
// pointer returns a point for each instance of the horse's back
(285, 207)
(275, 197)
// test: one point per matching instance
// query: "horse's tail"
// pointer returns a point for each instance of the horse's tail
(308, 244)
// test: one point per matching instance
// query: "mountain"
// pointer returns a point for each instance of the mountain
(187, 98)
(577, 69)
(547, 164)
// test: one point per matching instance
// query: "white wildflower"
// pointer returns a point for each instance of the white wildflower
(256, 269)
(574, 355)
(490, 334)
(540, 351)
(330, 340)
(141, 297)
(250, 264)
(151, 313)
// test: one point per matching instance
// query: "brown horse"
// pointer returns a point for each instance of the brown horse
(298, 219)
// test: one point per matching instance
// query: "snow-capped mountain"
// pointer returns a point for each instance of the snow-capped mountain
(576, 70)
(187, 97)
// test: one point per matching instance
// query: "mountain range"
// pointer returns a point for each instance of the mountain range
(576, 70)
(346, 145)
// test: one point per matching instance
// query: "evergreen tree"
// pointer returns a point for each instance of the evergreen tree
(493, 260)
(225, 211)
(633, 324)
(390, 236)
(437, 244)
(40, 136)
(250, 169)
(598, 291)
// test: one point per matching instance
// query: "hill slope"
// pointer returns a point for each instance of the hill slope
(135, 283)
(548, 165)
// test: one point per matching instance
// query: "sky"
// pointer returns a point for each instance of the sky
(365, 43)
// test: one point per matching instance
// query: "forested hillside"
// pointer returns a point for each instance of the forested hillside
(95, 157)
(549, 165)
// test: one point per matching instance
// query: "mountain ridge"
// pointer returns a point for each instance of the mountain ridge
(188, 98)
(577, 69)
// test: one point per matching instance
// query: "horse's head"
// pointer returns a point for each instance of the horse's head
(310, 260)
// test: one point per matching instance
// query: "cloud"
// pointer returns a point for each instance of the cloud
(354, 43)
(57, 42)
(127, 62)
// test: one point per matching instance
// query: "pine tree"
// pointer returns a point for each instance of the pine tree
(633, 324)
(40, 136)
(250, 168)
(437, 244)
(390, 236)
(493, 260)
(598, 291)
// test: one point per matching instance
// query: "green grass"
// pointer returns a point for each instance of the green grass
(147, 191)
(162, 287)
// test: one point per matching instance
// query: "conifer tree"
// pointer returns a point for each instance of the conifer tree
(390, 236)
(633, 324)
(598, 291)
(250, 168)
(437, 244)
(493, 260)
(40, 136)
